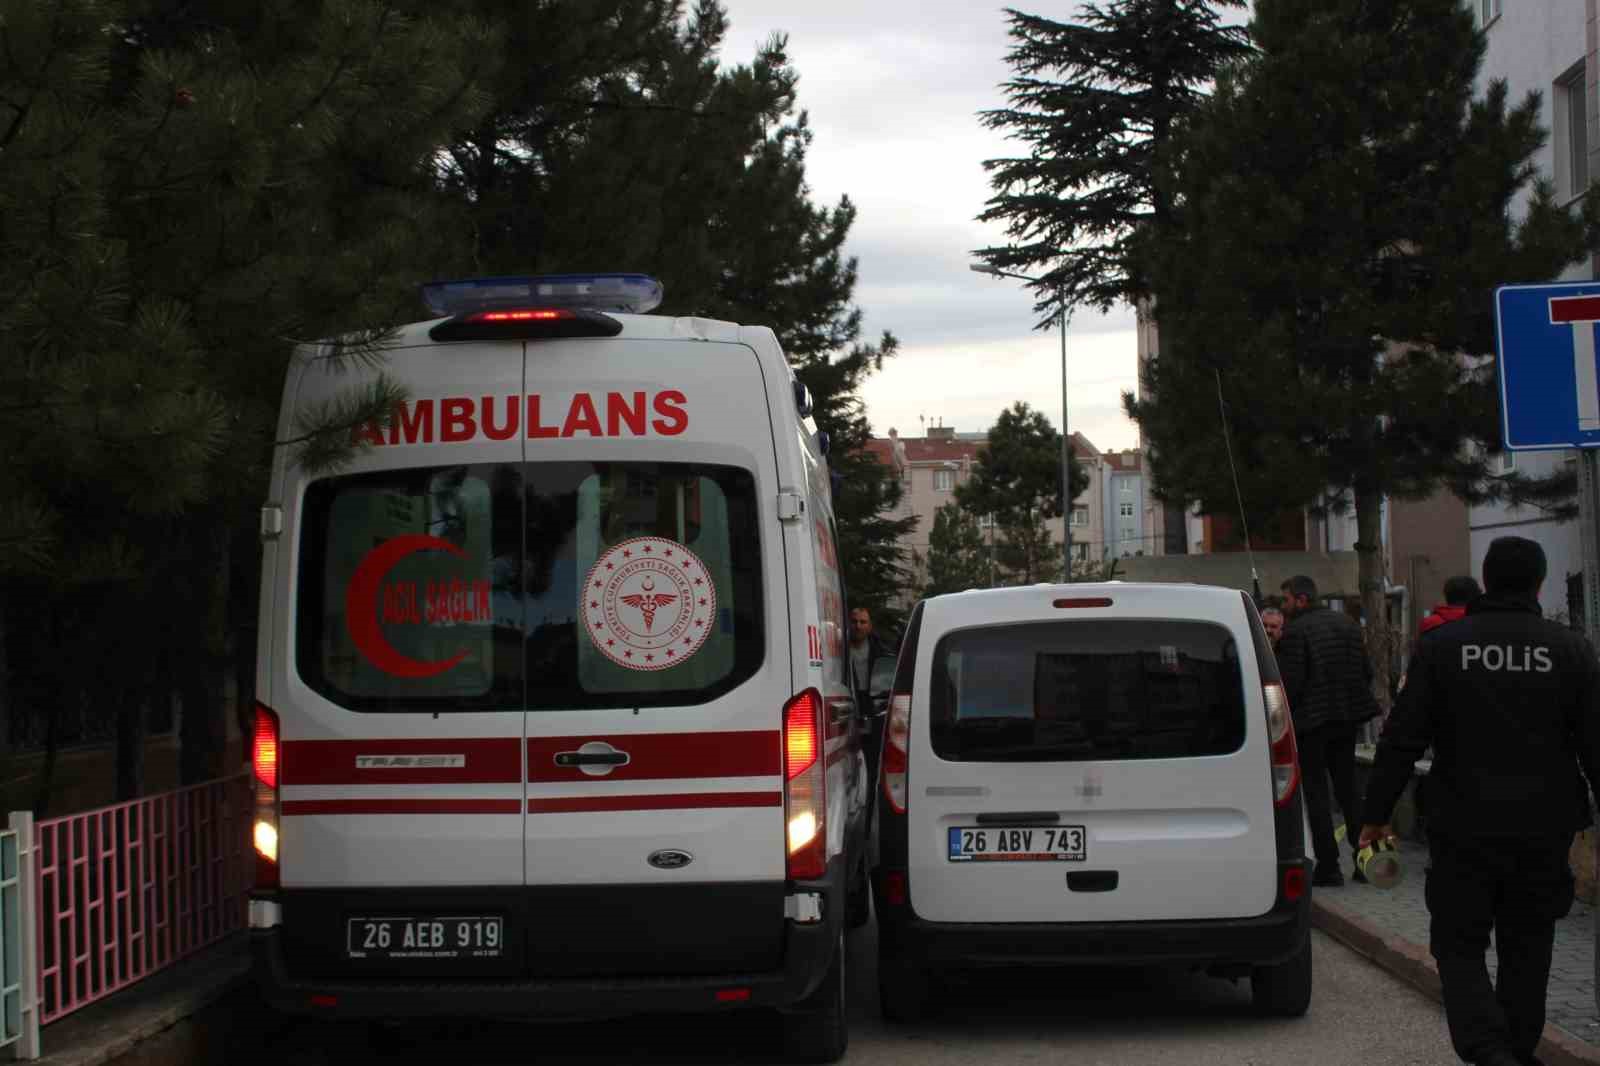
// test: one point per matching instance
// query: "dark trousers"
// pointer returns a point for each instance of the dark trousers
(1518, 887)
(1329, 752)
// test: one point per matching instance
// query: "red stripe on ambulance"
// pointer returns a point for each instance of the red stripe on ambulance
(674, 801)
(665, 756)
(292, 808)
(485, 761)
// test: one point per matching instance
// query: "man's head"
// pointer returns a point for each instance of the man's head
(1272, 622)
(860, 624)
(1299, 593)
(1514, 567)
(1460, 591)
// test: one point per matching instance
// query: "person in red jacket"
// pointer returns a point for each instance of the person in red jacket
(1458, 592)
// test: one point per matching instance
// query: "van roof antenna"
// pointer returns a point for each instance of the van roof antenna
(1222, 410)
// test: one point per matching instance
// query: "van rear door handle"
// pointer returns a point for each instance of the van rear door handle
(1019, 818)
(591, 758)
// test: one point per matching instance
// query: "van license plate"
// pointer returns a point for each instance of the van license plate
(467, 937)
(1040, 843)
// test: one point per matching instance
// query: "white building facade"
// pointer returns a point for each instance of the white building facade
(1546, 47)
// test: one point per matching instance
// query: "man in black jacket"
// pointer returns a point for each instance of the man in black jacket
(1508, 702)
(1327, 676)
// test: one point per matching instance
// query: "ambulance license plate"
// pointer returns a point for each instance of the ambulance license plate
(1043, 843)
(456, 937)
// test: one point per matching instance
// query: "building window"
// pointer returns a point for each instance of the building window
(1125, 487)
(1080, 553)
(1572, 134)
(1125, 508)
(944, 480)
(1488, 11)
(1080, 516)
(986, 522)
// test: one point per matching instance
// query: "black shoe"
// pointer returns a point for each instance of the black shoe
(1358, 877)
(1327, 878)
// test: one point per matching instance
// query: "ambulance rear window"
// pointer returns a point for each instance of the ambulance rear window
(545, 586)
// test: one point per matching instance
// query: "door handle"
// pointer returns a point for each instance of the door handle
(1019, 818)
(591, 758)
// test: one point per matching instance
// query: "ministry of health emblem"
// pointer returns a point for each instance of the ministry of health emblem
(648, 603)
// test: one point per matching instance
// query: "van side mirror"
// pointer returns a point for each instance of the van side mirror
(824, 441)
(802, 399)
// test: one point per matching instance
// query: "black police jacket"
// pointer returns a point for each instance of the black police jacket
(1508, 702)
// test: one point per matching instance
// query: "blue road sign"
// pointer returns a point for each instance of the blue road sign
(1549, 389)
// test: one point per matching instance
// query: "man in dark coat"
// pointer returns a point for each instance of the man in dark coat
(1510, 704)
(1327, 676)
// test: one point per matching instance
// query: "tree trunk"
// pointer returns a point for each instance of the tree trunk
(131, 717)
(202, 680)
(47, 770)
(1374, 605)
(5, 687)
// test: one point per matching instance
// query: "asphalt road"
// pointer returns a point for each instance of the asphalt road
(1359, 1016)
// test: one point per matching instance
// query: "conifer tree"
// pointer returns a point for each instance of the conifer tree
(958, 556)
(1332, 264)
(189, 188)
(1017, 480)
(1093, 101)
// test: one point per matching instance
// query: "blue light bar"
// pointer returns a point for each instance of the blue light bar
(633, 294)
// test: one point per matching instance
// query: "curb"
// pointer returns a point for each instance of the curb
(111, 1029)
(1414, 965)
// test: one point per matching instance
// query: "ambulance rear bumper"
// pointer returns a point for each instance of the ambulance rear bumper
(807, 951)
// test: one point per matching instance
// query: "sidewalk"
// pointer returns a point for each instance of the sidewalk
(1391, 928)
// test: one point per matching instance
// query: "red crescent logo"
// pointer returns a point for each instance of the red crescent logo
(361, 607)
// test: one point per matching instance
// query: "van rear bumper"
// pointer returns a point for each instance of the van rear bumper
(806, 953)
(1257, 941)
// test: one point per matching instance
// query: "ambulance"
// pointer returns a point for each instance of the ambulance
(554, 715)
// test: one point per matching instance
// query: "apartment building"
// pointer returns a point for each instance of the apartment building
(931, 466)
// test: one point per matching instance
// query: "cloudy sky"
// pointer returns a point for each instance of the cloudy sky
(894, 88)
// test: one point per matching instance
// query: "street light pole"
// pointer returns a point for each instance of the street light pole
(1066, 452)
(1066, 432)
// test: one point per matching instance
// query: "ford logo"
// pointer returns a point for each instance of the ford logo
(670, 859)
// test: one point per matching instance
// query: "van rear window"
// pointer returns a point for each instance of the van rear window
(543, 586)
(1086, 691)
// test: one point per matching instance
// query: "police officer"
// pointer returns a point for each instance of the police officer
(1507, 700)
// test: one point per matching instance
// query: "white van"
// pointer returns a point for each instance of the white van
(554, 710)
(1094, 773)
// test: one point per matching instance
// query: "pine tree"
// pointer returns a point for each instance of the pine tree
(620, 111)
(1017, 480)
(189, 188)
(866, 494)
(1093, 101)
(958, 556)
(1333, 263)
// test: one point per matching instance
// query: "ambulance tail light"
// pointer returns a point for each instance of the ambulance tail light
(264, 752)
(526, 324)
(805, 801)
(538, 307)
(896, 749)
(1280, 734)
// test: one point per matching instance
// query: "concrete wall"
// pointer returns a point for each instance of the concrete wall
(1429, 544)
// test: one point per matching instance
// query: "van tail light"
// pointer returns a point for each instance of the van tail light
(805, 800)
(896, 748)
(265, 763)
(1280, 732)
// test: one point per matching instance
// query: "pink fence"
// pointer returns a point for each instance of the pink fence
(126, 890)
